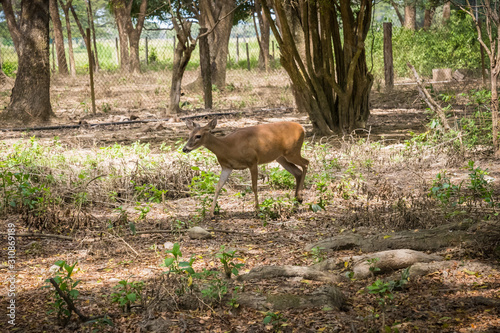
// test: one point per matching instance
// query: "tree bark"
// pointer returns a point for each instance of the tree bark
(446, 12)
(428, 16)
(410, 16)
(182, 55)
(128, 34)
(388, 59)
(65, 8)
(92, 27)
(211, 12)
(30, 99)
(264, 29)
(58, 38)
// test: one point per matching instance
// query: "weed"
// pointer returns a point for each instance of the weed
(281, 178)
(318, 254)
(226, 257)
(275, 319)
(183, 269)
(66, 284)
(127, 293)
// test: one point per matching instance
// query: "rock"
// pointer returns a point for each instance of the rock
(198, 233)
(458, 76)
(442, 74)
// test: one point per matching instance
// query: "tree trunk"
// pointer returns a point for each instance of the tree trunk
(128, 35)
(65, 8)
(264, 38)
(428, 16)
(58, 38)
(182, 55)
(30, 99)
(121, 23)
(494, 110)
(410, 16)
(91, 19)
(446, 12)
(212, 11)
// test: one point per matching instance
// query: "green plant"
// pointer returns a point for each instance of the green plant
(373, 265)
(445, 191)
(318, 254)
(67, 285)
(233, 302)
(226, 257)
(216, 288)
(184, 269)
(143, 210)
(281, 178)
(149, 193)
(275, 319)
(127, 293)
(152, 57)
(479, 185)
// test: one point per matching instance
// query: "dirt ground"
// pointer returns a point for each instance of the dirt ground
(445, 300)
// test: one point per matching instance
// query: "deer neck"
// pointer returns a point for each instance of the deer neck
(216, 145)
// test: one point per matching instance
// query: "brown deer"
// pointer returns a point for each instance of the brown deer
(248, 147)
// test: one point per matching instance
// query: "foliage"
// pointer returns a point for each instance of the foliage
(453, 45)
(127, 293)
(226, 258)
(318, 254)
(275, 319)
(451, 195)
(280, 178)
(184, 269)
(64, 279)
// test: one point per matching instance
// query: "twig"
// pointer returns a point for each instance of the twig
(428, 98)
(31, 234)
(136, 253)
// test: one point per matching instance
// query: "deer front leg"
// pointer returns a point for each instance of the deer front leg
(254, 172)
(224, 176)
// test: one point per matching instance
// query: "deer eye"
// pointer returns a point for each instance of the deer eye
(197, 136)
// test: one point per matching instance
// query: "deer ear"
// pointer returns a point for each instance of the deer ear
(211, 125)
(190, 124)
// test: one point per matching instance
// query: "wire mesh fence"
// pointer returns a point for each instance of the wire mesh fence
(120, 90)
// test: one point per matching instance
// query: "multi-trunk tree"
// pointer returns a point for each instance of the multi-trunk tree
(322, 49)
(30, 99)
(130, 22)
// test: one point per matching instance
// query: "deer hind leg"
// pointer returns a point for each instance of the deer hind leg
(293, 169)
(254, 172)
(224, 176)
(296, 160)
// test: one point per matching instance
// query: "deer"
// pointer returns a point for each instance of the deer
(248, 147)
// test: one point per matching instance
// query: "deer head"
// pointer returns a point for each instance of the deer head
(198, 134)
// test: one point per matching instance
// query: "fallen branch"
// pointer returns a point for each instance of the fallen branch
(428, 98)
(31, 234)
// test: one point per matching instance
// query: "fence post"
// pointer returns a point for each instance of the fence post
(117, 52)
(237, 48)
(248, 56)
(206, 70)
(174, 44)
(388, 60)
(91, 71)
(147, 57)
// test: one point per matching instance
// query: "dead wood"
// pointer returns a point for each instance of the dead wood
(426, 96)
(420, 240)
(323, 296)
(269, 272)
(31, 234)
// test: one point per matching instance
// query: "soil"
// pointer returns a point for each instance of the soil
(442, 301)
